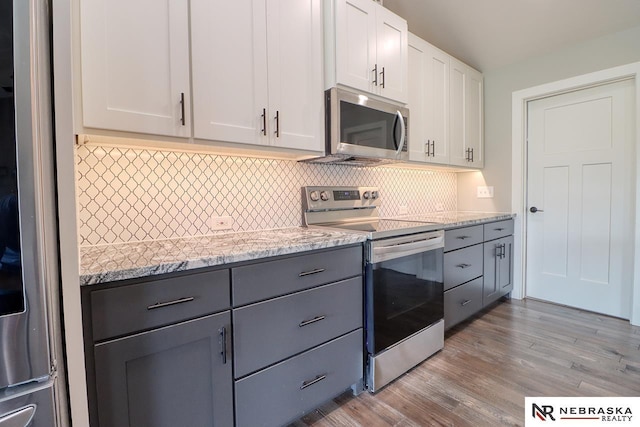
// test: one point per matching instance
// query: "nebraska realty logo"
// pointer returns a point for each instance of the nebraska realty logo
(582, 411)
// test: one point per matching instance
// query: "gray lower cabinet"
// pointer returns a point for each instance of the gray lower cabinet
(478, 268)
(462, 301)
(286, 391)
(498, 269)
(168, 351)
(293, 352)
(179, 375)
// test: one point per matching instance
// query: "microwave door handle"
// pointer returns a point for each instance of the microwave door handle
(402, 133)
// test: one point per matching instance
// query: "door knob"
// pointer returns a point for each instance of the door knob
(533, 209)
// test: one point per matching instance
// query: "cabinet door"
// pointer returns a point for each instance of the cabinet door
(498, 269)
(418, 57)
(391, 55)
(229, 68)
(296, 103)
(474, 129)
(173, 376)
(437, 104)
(457, 111)
(428, 102)
(356, 43)
(136, 78)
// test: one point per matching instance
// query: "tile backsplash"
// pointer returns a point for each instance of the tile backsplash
(129, 195)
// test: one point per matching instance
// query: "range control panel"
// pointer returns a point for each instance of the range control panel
(334, 198)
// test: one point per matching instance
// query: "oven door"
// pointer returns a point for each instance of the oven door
(404, 288)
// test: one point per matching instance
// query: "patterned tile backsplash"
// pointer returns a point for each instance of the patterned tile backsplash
(128, 195)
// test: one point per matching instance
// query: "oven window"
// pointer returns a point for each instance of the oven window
(407, 295)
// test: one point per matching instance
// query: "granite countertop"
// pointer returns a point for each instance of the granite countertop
(107, 263)
(457, 218)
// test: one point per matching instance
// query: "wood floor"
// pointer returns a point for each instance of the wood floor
(490, 363)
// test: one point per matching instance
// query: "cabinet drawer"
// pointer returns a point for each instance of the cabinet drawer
(495, 230)
(461, 237)
(264, 280)
(462, 265)
(286, 391)
(269, 331)
(127, 309)
(462, 301)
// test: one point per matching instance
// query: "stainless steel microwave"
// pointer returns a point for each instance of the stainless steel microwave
(358, 127)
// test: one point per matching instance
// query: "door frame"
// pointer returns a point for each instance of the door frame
(519, 161)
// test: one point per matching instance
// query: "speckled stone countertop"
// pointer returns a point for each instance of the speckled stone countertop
(457, 218)
(107, 263)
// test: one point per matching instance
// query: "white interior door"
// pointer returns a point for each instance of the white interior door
(580, 178)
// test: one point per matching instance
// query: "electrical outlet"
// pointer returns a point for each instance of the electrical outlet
(403, 210)
(485, 192)
(221, 223)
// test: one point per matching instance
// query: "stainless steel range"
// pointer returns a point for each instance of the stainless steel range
(404, 296)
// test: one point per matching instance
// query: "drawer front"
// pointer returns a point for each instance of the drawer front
(288, 390)
(496, 230)
(462, 302)
(270, 331)
(133, 308)
(461, 237)
(462, 265)
(258, 282)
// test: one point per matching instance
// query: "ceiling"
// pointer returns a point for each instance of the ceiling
(489, 34)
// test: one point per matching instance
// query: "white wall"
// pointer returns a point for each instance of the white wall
(597, 54)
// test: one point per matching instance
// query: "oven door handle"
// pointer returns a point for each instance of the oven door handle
(383, 253)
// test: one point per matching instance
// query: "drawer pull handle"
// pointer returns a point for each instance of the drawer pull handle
(308, 383)
(309, 273)
(168, 303)
(310, 321)
(465, 302)
(463, 266)
(463, 237)
(499, 229)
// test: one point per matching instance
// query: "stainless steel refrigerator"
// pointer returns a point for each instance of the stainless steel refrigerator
(30, 345)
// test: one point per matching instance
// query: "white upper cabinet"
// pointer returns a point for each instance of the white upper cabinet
(229, 70)
(257, 72)
(428, 102)
(445, 103)
(296, 98)
(369, 51)
(135, 66)
(466, 115)
(474, 123)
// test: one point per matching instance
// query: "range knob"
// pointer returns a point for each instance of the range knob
(324, 195)
(314, 196)
(366, 195)
(374, 195)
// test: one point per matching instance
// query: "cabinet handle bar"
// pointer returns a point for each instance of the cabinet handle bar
(309, 273)
(313, 381)
(182, 119)
(310, 321)
(463, 303)
(223, 344)
(168, 303)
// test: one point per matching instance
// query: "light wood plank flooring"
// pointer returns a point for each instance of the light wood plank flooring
(490, 363)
